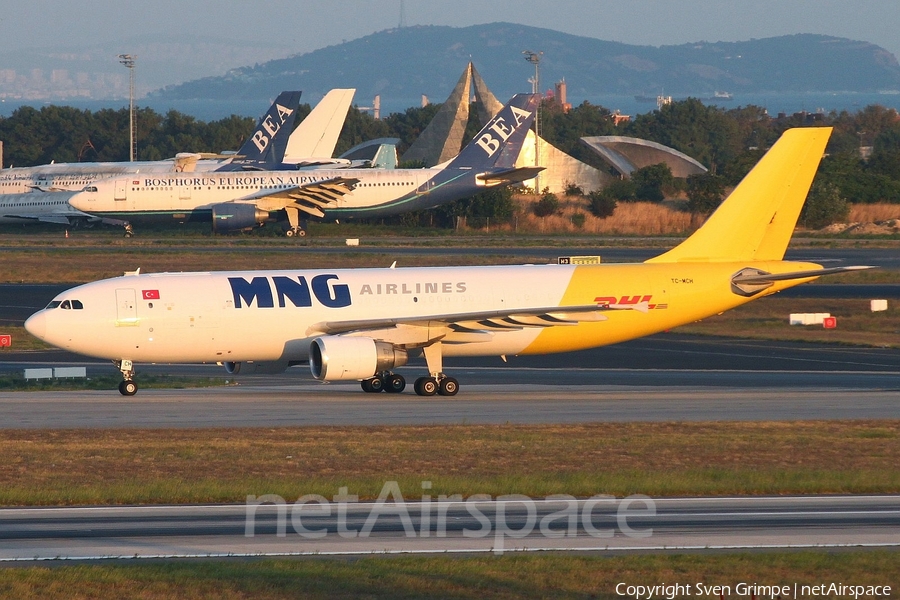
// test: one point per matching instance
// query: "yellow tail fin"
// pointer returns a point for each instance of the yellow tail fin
(757, 219)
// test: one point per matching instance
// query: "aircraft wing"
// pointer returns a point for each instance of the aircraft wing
(58, 219)
(309, 198)
(480, 322)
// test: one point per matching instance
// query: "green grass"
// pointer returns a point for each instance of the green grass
(17, 382)
(132, 466)
(768, 319)
(555, 575)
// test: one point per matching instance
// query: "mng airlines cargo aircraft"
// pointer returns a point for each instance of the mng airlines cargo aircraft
(236, 201)
(360, 324)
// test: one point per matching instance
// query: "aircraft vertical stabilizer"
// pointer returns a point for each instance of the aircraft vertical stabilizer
(317, 135)
(757, 219)
(266, 146)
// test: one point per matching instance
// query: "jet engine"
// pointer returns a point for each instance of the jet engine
(234, 216)
(253, 367)
(336, 357)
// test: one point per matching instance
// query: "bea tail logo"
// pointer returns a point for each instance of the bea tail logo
(499, 130)
(264, 291)
(269, 126)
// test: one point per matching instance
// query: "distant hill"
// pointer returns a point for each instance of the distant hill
(410, 61)
(91, 71)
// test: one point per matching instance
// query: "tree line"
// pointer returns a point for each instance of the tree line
(862, 162)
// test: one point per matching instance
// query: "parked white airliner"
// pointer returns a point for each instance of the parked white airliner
(36, 194)
(235, 201)
(360, 324)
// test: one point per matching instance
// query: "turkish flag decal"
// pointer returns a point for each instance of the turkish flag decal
(151, 294)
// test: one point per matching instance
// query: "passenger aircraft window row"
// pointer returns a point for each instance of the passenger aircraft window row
(51, 203)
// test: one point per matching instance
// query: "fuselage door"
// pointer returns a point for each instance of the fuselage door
(126, 308)
(121, 190)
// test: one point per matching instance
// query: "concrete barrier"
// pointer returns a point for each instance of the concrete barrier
(877, 305)
(38, 374)
(808, 318)
(70, 372)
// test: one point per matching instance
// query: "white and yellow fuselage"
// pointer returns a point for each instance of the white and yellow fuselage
(203, 317)
(360, 323)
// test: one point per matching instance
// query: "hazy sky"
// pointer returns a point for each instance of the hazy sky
(304, 25)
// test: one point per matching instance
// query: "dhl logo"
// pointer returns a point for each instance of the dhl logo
(626, 300)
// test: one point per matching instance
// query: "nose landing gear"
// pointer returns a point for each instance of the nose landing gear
(128, 387)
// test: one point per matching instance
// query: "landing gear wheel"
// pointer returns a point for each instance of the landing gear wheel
(448, 386)
(376, 384)
(366, 385)
(290, 233)
(128, 388)
(301, 232)
(129, 231)
(426, 386)
(394, 384)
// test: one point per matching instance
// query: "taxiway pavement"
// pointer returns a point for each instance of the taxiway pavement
(324, 527)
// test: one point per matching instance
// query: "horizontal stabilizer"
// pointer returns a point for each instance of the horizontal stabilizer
(749, 282)
(767, 277)
(508, 176)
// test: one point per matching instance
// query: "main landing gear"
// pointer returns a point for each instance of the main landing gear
(129, 230)
(296, 226)
(392, 383)
(442, 384)
(128, 387)
(436, 382)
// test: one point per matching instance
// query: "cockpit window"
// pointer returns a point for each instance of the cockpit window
(66, 305)
(90, 188)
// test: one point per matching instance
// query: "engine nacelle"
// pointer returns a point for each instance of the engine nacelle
(253, 367)
(234, 216)
(232, 368)
(337, 357)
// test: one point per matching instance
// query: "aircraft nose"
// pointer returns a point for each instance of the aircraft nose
(36, 325)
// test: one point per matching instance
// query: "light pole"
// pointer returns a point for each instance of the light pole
(535, 59)
(128, 61)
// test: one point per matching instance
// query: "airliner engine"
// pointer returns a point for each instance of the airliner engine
(233, 216)
(336, 357)
(256, 367)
